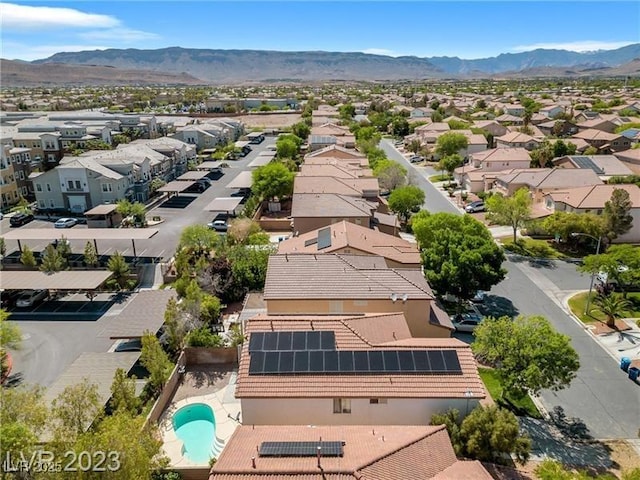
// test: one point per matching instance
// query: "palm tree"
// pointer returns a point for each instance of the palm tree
(613, 307)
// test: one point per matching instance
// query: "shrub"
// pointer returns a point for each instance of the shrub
(203, 337)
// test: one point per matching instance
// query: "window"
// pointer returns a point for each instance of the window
(78, 186)
(377, 401)
(41, 203)
(38, 187)
(21, 174)
(341, 405)
(106, 187)
(52, 204)
(70, 184)
(48, 187)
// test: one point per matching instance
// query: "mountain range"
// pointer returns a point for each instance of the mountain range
(185, 66)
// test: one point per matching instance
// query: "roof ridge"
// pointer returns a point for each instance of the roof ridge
(397, 272)
(402, 447)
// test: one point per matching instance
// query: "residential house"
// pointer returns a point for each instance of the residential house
(176, 153)
(507, 119)
(493, 160)
(372, 451)
(631, 158)
(200, 136)
(598, 124)
(22, 167)
(421, 112)
(515, 140)
(605, 166)
(8, 184)
(552, 111)
(515, 110)
(592, 199)
(558, 128)
(338, 170)
(491, 126)
(313, 211)
(352, 386)
(352, 284)
(544, 180)
(603, 141)
(367, 188)
(348, 238)
(337, 152)
(79, 184)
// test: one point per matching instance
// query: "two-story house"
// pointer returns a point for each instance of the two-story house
(484, 166)
(516, 140)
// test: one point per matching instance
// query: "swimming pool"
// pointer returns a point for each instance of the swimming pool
(195, 425)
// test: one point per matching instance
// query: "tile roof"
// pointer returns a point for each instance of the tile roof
(89, 164)
(552, 178)
(343, 170)
(346, 234)
(331, 276)
(351, 334)
(371, 452)
(516, 137)
(464, 470)
(326, 205)
(362, 162)
(603, 164)
(343, 186)
(502, 155)
(595, 196)
(593, 134)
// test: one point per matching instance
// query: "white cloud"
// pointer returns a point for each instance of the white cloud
(121, 35)
(382, 51)
(18, 17)
(578, 46)
(16, 51)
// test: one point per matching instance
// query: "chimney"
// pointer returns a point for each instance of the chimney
(253, 462)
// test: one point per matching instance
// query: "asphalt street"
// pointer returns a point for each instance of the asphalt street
(601, 395)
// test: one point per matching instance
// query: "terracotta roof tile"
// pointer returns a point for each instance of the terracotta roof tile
(330, 205)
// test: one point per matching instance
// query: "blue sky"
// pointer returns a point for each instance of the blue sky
(476, 29)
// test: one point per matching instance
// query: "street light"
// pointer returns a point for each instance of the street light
(598, 239)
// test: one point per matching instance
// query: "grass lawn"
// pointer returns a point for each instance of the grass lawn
(578, 302)
(530, 247)
(524, 406)
(440, 178)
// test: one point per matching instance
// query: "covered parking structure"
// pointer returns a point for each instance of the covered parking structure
(94, 234)
(145, 312)
(261, 160)
(210, 166)
(96, 368)
(224, 204)
(244, 180)
(176, 186)
(193, 175)
(65, 280)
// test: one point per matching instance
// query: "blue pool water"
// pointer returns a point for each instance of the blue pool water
(195, 425)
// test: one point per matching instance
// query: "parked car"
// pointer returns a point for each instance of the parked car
(473, 207)
(133, 345)
(479, 296)
(65, 223)
(9, 297)
(20, 219)
(416, 159)
(466, 322)
(218, 225)
(29, 298)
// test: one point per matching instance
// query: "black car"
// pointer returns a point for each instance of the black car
(20, 219)
(9, 297)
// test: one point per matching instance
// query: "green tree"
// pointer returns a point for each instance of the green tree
(620, 262)
(346, 111)
(391, 175)
(198, 240)
(175, 327)
(120, 269)
(249, 267)
(204, 337)
(27, 257)
(23, 418)
(513, 211)
(490, 432)
(399, 126)
(590, 151)
(138, 211)
(272, 180)
(459, 254)
(301, 130)
(449, 163)
(617, 217)
(155, 184)
(210, 309)
(52, 261)
(156, 361)
(10, 337)
(288, 146)
(407, 199)
(123, 394)
(566, 223)
(240, 229)
(135, 449)
(612, 307)
(90, 255)
(451, 419)
(528, 353)
(75, 409)
(123, 207)
(451, 143)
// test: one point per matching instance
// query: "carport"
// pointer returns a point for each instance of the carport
(224, 204)
(176, 186)
(144, 313)
(210, 166)
(261, 160)
(244, 180)
(94, 234)
(93, 367)
(191, 176)
(65, 280)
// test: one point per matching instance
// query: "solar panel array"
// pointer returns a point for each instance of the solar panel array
(586, 162)
(327, 362)
(289, 340)
(301, 449)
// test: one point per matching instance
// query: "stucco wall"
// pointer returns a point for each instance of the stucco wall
(319, 411)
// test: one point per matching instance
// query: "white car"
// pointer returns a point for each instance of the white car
(65, 222)
(218, 225)
(29, 298)
(466, 322)
(474, 207)
(479, 296)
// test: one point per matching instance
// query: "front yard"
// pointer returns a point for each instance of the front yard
(521, 407)
(578, 302)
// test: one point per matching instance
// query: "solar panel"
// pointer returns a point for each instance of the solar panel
(324, 238)
(299, 341)
(327, 340)
(289, 340)
(586, 162)
(270, 341)
(256, 341)
(330, 362)
(284, 340)
(313, 340)
(301, 449)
